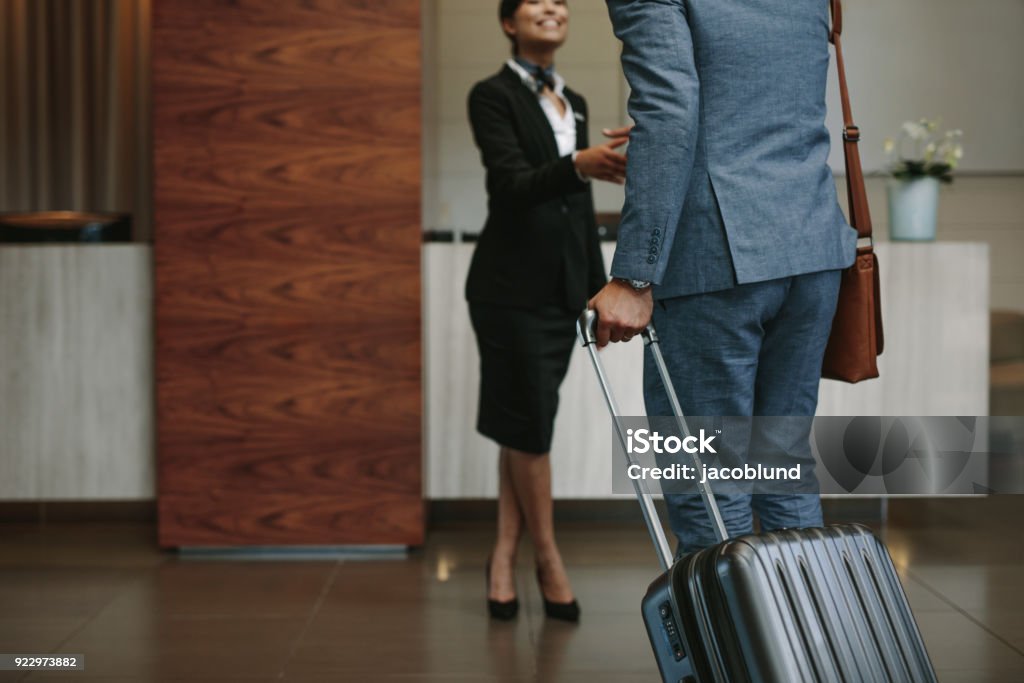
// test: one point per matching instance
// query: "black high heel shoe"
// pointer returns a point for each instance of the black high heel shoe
(563, 611)
(498, 609)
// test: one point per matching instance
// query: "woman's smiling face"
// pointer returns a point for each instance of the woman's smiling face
(539, 23)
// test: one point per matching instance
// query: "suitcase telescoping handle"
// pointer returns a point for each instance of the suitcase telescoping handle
(586, 330)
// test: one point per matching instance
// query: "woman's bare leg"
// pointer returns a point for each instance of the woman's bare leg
(531, 479)
(510, 528)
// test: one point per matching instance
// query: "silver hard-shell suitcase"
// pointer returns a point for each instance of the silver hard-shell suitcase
(796, 605)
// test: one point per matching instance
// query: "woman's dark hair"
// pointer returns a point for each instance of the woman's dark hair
(506, 10)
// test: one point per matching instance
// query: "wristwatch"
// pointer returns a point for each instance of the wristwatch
(638, 285)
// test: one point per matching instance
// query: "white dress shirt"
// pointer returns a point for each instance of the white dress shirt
(563, 125)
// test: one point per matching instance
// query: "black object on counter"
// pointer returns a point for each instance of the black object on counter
(438, 235)
(65, 226)
(449, 236)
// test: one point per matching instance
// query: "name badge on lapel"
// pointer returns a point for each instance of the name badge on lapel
(579, 117)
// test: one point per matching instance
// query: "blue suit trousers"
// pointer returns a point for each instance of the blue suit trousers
(752, 350)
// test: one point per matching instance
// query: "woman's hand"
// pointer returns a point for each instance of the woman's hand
(602, 162)
(617, 132)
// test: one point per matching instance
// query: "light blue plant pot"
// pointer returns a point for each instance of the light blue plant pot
(913, 209)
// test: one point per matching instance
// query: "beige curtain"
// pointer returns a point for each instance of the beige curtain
(74, 107)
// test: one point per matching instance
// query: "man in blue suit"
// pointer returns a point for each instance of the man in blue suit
(731, 233)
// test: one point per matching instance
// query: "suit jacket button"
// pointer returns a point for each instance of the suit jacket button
(651, 259)
(565, 209)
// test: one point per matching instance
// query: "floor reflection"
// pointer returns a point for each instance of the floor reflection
(141, 615)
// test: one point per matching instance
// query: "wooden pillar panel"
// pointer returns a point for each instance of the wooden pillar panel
(287, 257)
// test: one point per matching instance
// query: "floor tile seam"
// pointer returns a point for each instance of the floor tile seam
(317, 605)
(143, 575)
(231, 616)
(963, 612)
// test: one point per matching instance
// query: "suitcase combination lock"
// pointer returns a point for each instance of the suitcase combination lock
(669, 622)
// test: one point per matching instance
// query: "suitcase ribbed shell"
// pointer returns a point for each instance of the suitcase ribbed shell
(798, 605)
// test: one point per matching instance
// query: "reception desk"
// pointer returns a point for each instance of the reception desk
(76, 372)
(76, 378)
(935, 304)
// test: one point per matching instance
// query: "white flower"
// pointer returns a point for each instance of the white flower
(915, 130)
(921, 149)
(929, 152)
(951, 153)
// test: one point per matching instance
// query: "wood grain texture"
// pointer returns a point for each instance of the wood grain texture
(237, 518)
(287, 254)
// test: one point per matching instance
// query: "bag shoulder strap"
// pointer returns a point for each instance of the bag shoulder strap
(860, 215)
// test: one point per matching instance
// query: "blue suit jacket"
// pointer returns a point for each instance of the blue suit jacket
(727, 180)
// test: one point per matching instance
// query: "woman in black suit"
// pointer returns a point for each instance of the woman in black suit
(537, 263)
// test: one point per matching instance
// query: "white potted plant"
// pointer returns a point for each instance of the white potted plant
(920, 159)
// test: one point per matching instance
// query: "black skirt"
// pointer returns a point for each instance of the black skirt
(524, 355)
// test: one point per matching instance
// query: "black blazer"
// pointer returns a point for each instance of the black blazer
(539, 245)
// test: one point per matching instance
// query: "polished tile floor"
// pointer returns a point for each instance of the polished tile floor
(138, 614)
